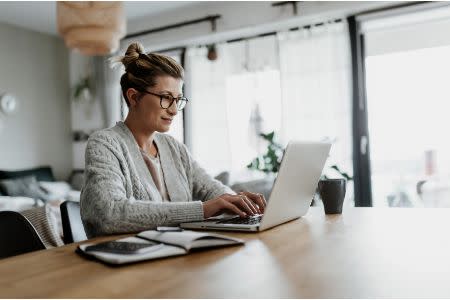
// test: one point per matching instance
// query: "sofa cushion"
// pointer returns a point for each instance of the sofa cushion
(262, 186)
(18, 203)
(41, 173)
(26, 186)
(76, 179)
(223, 177)
(74, 196)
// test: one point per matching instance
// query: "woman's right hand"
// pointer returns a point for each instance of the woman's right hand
(238, 204)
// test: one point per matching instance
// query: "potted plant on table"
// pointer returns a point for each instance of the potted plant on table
(270, 161)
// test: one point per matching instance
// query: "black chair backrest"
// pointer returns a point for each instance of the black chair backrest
(17, 235)
(73, 228)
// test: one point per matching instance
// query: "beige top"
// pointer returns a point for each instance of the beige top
(154, 166)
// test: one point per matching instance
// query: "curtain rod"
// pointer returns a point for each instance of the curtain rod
(211, 19)
(255, 36)
(275, 32)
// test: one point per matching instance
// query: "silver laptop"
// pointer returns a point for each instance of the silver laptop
(291, 194)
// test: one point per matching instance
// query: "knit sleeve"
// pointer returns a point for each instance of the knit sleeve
(105, 207)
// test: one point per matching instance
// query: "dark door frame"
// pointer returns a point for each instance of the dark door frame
(361, 149)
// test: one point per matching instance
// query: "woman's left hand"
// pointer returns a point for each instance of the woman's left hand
(256, 198)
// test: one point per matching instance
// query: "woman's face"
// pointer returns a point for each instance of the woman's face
(149, 110)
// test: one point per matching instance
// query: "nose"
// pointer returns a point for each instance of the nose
(173, 110)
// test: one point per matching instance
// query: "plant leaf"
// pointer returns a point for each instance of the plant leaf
(344, 174)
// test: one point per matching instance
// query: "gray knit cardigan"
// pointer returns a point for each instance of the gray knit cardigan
(119, 195)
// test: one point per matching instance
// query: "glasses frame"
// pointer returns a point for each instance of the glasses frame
(171, 102)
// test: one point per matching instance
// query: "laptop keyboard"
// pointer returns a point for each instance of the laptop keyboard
(252, 220)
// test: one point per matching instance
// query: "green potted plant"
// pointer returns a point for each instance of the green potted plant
(270, 161)
(83, 89)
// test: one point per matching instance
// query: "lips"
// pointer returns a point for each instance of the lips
(167, 119)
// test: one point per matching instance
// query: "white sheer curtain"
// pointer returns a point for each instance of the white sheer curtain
(315, 67)
(207, 111)
(297, 84)
(232, 99)
(253, 98)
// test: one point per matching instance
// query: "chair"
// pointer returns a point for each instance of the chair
(73, 228)
(17, 235)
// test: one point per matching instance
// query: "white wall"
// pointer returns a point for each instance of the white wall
(34, 67)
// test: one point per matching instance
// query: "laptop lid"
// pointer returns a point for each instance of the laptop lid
(296, 183)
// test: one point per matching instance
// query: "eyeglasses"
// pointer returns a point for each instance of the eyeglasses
(166, 101)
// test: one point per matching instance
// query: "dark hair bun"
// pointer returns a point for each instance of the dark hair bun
(134, 53)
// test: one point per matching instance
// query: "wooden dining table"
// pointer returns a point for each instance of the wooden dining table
(361, 253)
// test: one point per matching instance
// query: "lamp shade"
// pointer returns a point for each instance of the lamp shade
(91, 27)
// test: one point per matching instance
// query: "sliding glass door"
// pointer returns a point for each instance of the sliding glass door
(407, 69)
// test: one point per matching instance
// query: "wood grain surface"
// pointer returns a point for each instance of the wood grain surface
(363, 253)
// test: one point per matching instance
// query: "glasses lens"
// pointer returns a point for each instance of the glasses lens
(166, 101)
(181, 103)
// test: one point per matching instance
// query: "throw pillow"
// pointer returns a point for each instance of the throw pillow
(56, 190)
(26, 186)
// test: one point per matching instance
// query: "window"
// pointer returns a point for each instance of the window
(408, 119)
(295, 83)
(254, 106)
(407, 69)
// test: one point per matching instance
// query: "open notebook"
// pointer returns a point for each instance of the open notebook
(173, 244)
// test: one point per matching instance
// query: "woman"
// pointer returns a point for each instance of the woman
(138, 178)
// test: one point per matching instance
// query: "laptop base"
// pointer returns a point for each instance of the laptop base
(224, 227)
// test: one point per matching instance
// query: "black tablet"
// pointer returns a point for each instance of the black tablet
(122, 247)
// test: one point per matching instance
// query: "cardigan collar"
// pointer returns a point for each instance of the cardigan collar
(174, 189)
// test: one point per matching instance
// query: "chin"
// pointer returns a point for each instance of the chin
(163, 129)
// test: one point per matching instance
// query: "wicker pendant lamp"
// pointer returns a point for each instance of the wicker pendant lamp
(91, 27)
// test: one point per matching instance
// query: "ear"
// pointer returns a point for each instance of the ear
(133, 96)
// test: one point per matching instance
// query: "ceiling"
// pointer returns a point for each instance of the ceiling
(41, 15)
